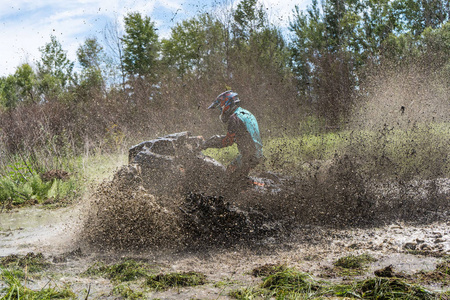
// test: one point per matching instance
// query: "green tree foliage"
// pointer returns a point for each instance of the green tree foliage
(90, 54)
(255, 44)
(91, 58)
(249, 17)
(19, 88)
(416, 15)
(55, 70)
(141, 46)
(26, 81)
(9, 95)
(323, 59)
(195, 45)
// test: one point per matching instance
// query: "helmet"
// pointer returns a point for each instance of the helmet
(227, 102)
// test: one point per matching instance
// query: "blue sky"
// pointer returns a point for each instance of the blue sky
(26, 25)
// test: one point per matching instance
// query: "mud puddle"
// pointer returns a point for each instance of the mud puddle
(313, 250)
(34, 229)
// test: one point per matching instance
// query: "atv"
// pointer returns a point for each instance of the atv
(175, 163)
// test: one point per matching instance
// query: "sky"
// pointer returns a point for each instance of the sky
(26, 25)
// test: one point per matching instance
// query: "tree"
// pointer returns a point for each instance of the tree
(248, 18)
(141, 46)
(91, 58)
(27, 84)
(326, 54)
(195, 45)
(256, 44)
(19, 88)
(114, 49)
(417, 15)
(90, 55)
(55, 70)
(9, 95)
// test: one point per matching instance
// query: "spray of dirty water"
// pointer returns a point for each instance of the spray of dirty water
(394, 169)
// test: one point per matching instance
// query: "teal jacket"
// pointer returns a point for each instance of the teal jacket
(243, 130)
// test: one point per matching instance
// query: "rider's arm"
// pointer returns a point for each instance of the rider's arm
(219, 141)
(222, 141)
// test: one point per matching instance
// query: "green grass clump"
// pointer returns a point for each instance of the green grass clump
(290, 281)
(354, 261)
(32, 262)
(127, 270)
(267, 270)
(291, 284)
(391, 288)
(14, 289)
(249, 293)
(126, 292)
(171, 280)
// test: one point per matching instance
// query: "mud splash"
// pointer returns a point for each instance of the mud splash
(128, 217)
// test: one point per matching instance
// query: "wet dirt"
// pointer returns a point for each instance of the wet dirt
(311, 249)
(35, 229)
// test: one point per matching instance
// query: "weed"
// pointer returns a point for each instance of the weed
(15, 290)
(170, 280)
(391, 288)
(226, 282)
(250, 293)
(352, 265)
(290, 280)
(354, 261)
(267, 270)
(126, 292)
(127, 270)
(443, 267)
(32, 262)
(31, 188)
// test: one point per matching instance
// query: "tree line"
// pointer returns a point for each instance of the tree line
(321, 63)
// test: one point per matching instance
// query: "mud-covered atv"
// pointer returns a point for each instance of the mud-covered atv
(175, 163)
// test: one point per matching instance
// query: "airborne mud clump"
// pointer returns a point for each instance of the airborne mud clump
(121, 218)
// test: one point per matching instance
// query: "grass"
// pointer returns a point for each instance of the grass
(14, 289)
(441, 274)
(32, 262)
(162, 282)
(421, 150)
(391, 288)
(98, 167)
(126, 292)
(22, 184)
(354, 261)
(267, 270)
(352, 265)
(292, 284)
(127, 270)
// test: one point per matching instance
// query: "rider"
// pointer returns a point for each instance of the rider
(242, 129)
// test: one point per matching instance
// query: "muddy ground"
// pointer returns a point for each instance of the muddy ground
(312, 249)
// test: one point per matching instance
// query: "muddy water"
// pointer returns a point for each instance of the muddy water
(36, 229)
(310, 249)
